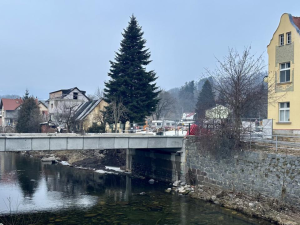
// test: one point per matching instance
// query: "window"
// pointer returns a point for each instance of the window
(285, 72)
(288, 38)
(284, 112)
(281, 39)
(75, 95)
(51, 105)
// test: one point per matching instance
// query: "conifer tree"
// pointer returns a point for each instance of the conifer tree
(29, 115)
(186, 97)
(130, 83)
(206, 100)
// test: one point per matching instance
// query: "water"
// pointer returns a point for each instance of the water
(36, 193)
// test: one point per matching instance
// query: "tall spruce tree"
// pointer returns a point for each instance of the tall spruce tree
(129, 82)
(206, 100)
(29, 115)
(187, 97)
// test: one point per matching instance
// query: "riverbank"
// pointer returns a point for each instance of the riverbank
(268, 209)
(88, 159)
(259, 206)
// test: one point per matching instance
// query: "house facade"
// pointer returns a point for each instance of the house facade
(9, 111)
(283, 78)
(90, 113)
(65, 101)
(217, 112)
(188, 118)
(43, 106)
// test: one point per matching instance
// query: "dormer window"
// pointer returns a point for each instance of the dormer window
(75, 95)
(288, 38)
(281, 39)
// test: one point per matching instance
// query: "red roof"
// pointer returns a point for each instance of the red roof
(11, 104)
(296, 21)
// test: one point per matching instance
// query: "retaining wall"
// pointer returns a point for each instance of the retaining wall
(251, 172)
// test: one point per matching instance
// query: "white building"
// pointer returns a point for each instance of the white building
(65, 101)
(217, 112)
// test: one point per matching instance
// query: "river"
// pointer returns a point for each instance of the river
(35, 193)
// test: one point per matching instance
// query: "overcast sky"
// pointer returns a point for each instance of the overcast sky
(47, 45)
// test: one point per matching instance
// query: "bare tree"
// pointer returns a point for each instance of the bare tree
(97, 95)
(114, 112)
(119, 110)
(64, 114)
(165, 105)
(238, 80)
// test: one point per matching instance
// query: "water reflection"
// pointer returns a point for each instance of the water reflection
(72, 196)
(28, 174)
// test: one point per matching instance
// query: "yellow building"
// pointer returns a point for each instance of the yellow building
(283, 79)
(90, 113)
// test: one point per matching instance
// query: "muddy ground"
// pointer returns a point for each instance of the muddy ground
(93, 159)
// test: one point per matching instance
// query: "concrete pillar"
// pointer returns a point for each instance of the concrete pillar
(183, 168)
(174, 169)
(129, 153)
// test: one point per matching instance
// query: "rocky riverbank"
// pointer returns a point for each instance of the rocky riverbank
(259, 206)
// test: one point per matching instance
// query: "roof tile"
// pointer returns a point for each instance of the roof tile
(11, 104)
(296, 21)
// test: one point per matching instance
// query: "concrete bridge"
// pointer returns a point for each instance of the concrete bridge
(39, 142)
(162, 150)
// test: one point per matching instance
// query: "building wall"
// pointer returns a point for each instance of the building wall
(2, 116)
(58, 104)
(290, 91)
(55, 94)
(93, 117)
(42, 108)
(252, 173)
(9, 117)
(43, 112)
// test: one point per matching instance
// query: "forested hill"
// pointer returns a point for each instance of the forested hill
(9, 96)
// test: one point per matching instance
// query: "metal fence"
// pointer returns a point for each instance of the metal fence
(274, 142)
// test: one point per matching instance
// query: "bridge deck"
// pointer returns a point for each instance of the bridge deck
(27, 142)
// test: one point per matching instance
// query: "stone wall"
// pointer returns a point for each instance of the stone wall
(250, 172)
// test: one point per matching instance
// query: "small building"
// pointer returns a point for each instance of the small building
(43, 106)
(188, 118)
(9, 111)
(163, 123)
(217, 112)
(89, 113)
(48, 127)
(283, 81)
(65, 101)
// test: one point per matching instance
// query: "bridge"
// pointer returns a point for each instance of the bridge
(166, 152)
(39, 142)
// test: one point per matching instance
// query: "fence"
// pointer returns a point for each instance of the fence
(141, 128)
(274, 143)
